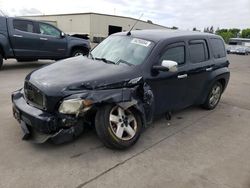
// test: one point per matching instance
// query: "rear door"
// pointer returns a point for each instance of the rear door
(200, 66)
(51, 44)
(23, 37)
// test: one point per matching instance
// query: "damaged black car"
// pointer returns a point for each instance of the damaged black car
(121, 86)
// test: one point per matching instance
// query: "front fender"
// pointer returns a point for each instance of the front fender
(139, 97)
(81, 43)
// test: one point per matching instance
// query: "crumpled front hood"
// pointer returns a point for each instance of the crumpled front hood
(80, 73)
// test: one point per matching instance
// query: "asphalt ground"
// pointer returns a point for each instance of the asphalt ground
(196, 149)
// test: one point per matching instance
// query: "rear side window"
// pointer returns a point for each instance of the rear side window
(176, 54)
(218, 48)
(24, 25)
(198, 51)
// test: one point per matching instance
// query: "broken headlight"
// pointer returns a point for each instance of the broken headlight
(75, 106)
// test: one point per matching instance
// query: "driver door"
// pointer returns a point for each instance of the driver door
(170, 88)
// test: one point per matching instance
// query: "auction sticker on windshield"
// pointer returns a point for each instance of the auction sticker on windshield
(141, 42)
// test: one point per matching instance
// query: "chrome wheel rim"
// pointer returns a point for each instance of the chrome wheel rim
(78, 54)
(122, 123)
(215, 95)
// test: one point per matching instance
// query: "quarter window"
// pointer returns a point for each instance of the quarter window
(176, 54)
(218, 48)
(46, 29)
(198, 51)
(24, 25)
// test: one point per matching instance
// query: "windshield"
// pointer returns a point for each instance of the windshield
(123, 49)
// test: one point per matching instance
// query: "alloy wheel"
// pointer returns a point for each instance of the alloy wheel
(78, 54)
(122, 123)
(215, 95)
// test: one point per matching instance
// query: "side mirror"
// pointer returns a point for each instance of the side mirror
(62, 34)
(166, 65)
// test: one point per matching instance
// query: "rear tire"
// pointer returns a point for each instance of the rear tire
(78, 52)
(1, 61)
(118, 128)
(214, 96)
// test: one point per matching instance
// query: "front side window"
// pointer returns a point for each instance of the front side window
(176, 54)
(24, 25)
(123, 49)
(198, 51)
(46, 29)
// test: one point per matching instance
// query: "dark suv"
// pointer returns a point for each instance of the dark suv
(29, 40)
(121, 85)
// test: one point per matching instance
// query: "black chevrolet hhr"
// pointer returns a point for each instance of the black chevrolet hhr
(122, 85)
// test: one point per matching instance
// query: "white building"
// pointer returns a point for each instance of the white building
(239, 41)
(97, 26)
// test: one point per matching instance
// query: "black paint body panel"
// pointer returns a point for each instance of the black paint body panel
(155, 92)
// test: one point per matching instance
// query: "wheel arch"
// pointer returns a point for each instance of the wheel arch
(140, 113)
(222, 77)
(78, 47)
(223, 83)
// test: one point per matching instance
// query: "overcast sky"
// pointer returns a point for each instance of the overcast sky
(184, 14)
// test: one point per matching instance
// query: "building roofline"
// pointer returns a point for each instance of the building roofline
(246, 39)
(44, 15)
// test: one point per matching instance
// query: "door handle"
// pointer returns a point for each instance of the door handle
(209, 69)
(182, 76)
(18, 36)
(43, 38)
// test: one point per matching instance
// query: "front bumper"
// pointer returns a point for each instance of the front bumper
(39, 126)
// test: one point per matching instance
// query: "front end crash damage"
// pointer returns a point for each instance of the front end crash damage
(133, 94)
(62, 136)
(130, 94)
(38, 126)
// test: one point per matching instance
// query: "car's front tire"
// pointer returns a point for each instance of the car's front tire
(118, 128)
(214, 96)
(78, 52)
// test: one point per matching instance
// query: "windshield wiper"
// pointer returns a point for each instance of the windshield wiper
(125, 62)
(105, 60)
(91, 55)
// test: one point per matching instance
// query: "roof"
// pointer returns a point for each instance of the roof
(86, 13)
(157, 35)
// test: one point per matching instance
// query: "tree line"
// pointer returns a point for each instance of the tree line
(226, 34)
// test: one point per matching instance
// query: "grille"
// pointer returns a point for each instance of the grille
(34, 96)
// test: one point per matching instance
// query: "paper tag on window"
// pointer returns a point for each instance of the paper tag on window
(141, 42)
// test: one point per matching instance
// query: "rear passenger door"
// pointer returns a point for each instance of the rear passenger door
(200, 66)
(23, 37)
